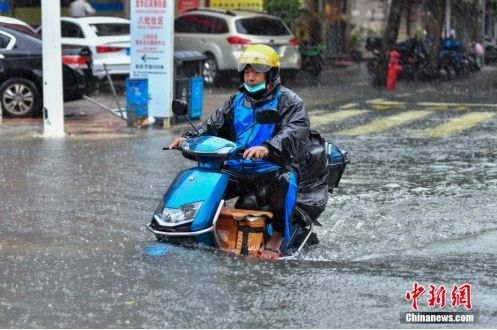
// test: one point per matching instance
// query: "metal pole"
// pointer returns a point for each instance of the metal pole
(447, 18)
(53, 104)
(113, 90)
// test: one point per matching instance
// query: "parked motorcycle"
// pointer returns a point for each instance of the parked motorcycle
(414, 59)
(452, 59)
(312, 58)
(193, 208)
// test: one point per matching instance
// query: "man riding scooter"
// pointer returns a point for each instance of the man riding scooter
(273, 152)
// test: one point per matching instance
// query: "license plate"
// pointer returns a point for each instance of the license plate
(128, 51)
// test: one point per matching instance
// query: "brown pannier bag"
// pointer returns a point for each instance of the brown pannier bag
(241, 231)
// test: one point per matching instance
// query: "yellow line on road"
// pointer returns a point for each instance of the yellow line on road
(438, 107)
(387, 106)
(385, 123)
(348, 106)
(458, 124)
(376, 101)
(323, 119)
(386, 102)
(445, 105)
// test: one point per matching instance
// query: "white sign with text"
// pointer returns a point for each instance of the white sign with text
(152, 47)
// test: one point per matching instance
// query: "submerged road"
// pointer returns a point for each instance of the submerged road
(417, 204)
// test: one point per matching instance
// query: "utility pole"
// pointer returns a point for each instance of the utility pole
(53, 106)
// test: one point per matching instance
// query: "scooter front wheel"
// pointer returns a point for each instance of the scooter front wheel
(373, 67)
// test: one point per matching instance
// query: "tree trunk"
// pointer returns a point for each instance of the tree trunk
(467, 17)
(397, 9)
(477, 21)
(437, 8)
(408, 19)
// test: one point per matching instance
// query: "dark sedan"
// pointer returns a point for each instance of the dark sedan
(21, 80)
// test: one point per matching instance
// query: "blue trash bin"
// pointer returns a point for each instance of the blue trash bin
(136, 99)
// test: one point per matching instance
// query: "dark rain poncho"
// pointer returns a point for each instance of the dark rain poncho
(293, 145)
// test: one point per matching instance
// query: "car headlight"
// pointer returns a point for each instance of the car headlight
(170, 217)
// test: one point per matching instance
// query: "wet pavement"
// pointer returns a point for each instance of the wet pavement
(411, 207)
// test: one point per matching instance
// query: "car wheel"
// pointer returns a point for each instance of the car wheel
(20, 97)
(212, 75)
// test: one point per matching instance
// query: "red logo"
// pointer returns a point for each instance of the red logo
(459, 295)
(417, 291)
(437, 296)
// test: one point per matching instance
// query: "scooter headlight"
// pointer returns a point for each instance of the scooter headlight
(185, 145)
(170, 217)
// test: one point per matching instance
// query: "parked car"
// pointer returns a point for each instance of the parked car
(21, 80)
(16, 24)
(222, 35)
(107, 37)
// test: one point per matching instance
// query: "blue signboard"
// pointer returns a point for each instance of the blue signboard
(4, 7)
(137, 97)
(196, 96)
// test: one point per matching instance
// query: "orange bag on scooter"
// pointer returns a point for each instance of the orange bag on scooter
(241, 231)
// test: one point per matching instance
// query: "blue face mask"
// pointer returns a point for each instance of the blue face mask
(256, 88)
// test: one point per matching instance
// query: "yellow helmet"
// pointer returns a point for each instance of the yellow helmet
(261, 58)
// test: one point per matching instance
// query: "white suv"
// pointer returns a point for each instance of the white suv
(222, 35)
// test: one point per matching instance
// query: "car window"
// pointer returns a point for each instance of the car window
(110, 29)
(183, 25)
(71, 30)
(4, 40)
(24, 41)
(200, 24)
(18, 27)
(261, 26)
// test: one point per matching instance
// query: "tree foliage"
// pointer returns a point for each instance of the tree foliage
(287, 10)
(492, 4)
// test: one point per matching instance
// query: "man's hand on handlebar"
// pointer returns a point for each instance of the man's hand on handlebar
(177, 142)
(258, 152)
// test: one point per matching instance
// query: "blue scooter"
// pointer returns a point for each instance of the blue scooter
(191, 207)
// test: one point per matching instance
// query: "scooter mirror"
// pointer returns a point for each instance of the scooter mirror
(180, 107)
(270, 116)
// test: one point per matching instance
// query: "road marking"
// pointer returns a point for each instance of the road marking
(457, 125)
(323, 119)
(438, 107)
(446, 105)
(386, 102)
(349, 105)
(375, 101)
(382, 104)
(387, 106)
(383, 124)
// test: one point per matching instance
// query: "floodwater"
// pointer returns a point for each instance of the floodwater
(75, 253)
